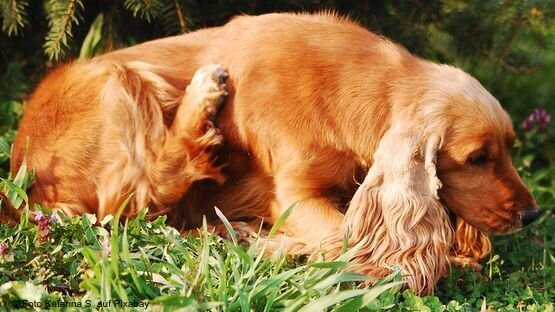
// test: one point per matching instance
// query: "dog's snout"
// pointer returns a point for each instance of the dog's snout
(529, 216)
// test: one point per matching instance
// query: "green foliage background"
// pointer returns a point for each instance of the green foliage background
(509, 45)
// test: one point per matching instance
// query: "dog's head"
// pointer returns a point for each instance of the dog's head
(447, 147)
(479, 182)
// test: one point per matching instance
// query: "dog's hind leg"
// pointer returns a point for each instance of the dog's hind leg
(147, 159)
(188, 151)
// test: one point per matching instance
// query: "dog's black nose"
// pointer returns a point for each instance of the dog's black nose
(529, 216)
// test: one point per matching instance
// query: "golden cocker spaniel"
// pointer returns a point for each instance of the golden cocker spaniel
(315, 103)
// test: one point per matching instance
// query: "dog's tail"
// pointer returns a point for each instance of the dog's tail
(135, 102)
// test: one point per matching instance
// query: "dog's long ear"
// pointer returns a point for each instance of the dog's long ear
(397, 212)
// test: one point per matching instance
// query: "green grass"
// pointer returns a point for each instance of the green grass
(152, 263)
(75, 262)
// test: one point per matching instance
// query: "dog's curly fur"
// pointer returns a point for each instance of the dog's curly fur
(315, 103)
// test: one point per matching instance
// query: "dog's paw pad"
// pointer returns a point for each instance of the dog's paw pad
(207, 92)
(203, 99)
(211, 73)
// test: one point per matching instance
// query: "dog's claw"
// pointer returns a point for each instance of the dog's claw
(221, 74)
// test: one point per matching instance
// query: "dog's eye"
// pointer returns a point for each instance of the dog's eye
(479, 158)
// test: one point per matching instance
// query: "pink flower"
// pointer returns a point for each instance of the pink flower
(106, 245)
(539, 119)
(43, 222)
(39, 215)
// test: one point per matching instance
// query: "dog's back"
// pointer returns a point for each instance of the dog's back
(276, 62)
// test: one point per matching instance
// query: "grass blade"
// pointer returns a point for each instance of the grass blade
(281, 219)
(367, 298)
(227, 225)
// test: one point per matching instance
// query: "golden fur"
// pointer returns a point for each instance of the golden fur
(315, 103)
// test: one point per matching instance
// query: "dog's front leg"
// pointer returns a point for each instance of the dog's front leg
(314, 217)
